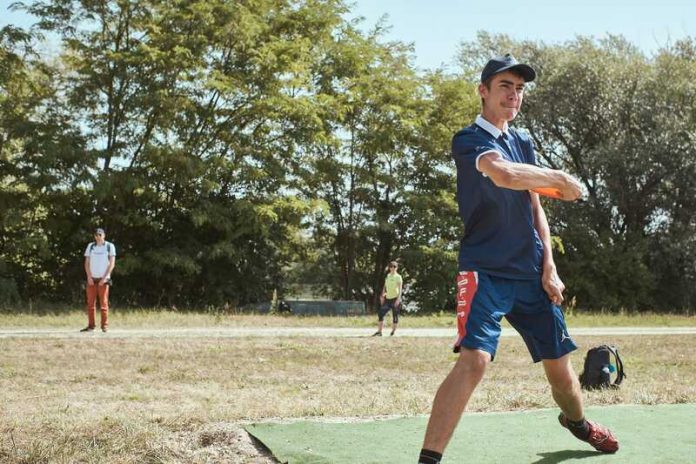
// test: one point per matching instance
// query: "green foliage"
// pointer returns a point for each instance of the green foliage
(234, 148)
(623, 123)
(8, 287)
(42, 168)
(193, 111)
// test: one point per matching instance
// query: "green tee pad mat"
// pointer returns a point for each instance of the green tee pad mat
(647, 435)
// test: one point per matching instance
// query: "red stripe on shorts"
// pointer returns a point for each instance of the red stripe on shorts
(467, 283)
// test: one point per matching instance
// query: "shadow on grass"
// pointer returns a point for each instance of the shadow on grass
(560, 456)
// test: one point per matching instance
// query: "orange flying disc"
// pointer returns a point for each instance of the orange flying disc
(549, 192)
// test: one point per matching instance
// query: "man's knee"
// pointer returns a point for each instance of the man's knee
(472, 361)
(561, 376)
(566, 385)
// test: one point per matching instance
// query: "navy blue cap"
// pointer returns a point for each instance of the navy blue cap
(99, 230)
(507, 62)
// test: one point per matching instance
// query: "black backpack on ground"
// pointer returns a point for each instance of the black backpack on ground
(598, 368)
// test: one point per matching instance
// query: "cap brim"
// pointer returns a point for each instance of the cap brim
(526, 71)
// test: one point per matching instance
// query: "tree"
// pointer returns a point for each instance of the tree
(190, 114)
(41, 170)
(621, 122)
(431, 244)
(359, 167)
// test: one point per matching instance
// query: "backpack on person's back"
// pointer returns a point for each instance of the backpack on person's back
(109, 246)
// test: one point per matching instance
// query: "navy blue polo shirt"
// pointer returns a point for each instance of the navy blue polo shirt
(499, 234)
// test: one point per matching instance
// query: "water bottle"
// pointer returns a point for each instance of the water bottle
(608, 369)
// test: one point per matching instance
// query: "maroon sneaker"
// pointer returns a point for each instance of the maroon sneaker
(600, 437)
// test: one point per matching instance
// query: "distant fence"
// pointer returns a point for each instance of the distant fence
(326, 308)
(316, 307)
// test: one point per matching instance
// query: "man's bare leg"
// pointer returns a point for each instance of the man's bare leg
(566, 391)
(452, 397)
(565, 386)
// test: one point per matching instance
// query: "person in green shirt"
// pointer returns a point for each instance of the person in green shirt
(390, 299)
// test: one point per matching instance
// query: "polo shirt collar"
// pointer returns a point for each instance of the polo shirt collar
(490, 128)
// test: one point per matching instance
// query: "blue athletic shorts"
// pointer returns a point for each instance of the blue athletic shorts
(483, 300)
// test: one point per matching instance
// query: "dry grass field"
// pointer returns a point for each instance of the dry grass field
(97, 400)
(71, 318)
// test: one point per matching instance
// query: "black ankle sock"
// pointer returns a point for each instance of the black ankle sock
(429, 457)
(580, 429)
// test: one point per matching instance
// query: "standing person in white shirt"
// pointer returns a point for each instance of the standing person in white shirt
(100, 259)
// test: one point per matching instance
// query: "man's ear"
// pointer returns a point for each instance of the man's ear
(483, 90)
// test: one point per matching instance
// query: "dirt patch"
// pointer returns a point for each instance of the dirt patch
(229, 443)
(219, 443)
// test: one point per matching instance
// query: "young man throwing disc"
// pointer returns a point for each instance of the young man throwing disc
(506, 266)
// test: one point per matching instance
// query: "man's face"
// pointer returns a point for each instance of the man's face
(99, 236)
(503, 97)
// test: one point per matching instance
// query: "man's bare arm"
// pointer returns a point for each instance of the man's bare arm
(553, 286)
(112, 264)
(521, 176)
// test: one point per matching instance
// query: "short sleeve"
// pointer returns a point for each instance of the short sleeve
(87, 250)
(468, 146)
(112, 249)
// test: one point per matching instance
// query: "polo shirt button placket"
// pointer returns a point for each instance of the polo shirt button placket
(503, 140)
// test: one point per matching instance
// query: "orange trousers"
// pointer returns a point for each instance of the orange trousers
(101, 291)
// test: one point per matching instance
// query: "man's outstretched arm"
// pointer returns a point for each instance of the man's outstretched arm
(521, 176)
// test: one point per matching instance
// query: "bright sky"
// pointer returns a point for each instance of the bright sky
(436, 27)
